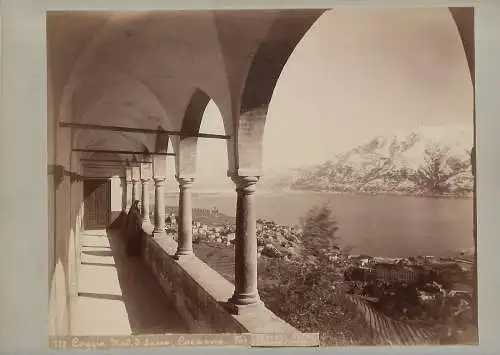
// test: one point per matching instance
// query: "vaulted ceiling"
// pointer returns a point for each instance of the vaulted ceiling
(145, 69)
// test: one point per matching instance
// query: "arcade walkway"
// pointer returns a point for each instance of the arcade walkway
(119, 295)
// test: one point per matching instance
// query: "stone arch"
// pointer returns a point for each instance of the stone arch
(100, 139)
(112, 27)
(281, 39)
(171, 87)
(162, 142)
(284, 34)
(464, 21)
(116, 156)
(86, 139)
(122, 81)
(191, 123)
(96, 142)
(126, 31)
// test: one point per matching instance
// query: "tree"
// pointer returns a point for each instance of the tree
(319, 231)
(473, 160)
(434, 172)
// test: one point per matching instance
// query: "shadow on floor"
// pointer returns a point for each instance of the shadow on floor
(94, 233)
(96, 264)
(148, 309)
(101, 296)
(95, 247)
(98, 253)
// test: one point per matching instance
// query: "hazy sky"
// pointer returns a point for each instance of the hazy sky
(357, 73)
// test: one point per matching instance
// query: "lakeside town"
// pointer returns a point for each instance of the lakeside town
(433, 291)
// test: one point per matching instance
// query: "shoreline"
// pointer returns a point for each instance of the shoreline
(451, 255)
(339, 193)
(213, 198)
(211, 221)
(361, 193)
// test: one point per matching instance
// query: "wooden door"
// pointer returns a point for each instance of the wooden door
(97, 203)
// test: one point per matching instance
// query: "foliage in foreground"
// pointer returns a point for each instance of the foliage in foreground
(302, 295)
(319, 232)
(302, 292)
(309, 293)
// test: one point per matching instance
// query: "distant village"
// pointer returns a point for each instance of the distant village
(418, 288)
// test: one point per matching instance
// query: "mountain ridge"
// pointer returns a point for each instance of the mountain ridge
(427, 161)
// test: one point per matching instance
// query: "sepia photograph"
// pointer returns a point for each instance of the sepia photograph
(273, 177)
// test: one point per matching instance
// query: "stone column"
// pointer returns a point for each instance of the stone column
(159, 206)
(145, 200)
(136, 189)
(123, 185)
(128, 188)
(245, 292)
(136, 183)
(146, 175)
(185, 226)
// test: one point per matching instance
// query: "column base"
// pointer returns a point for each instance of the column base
(159, 234)
(241, 309)
(183, 255)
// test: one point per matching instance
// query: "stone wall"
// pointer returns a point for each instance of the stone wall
(199, 293)
(65, 215)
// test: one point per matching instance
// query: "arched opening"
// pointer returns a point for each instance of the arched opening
(211, 164)
(210, 176)
(391, 95)
(171, 185)
(366, 94)
(372, 85)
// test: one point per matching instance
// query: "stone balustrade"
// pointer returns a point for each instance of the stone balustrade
(200, 294)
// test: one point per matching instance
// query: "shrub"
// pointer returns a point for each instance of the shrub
(319, 232)
(302, 295)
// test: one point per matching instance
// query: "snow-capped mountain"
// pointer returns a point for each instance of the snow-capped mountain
(430, 160)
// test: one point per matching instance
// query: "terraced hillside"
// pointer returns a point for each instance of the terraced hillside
(353, 320)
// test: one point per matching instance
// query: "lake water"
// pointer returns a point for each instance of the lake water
(377, 225)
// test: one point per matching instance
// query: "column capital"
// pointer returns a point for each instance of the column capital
(159, 180)
(245, 184)
(184, 182)
(145, 179)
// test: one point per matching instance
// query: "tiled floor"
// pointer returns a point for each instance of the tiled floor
(118, 295)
